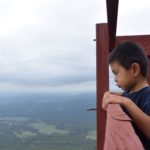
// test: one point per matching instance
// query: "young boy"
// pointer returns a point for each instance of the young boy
(129, 65)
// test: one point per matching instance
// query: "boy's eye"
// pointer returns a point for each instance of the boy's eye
(115, 73)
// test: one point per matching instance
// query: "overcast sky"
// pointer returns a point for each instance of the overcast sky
(47, 45)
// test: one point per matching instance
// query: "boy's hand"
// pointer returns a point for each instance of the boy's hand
(105, 100)
(109, 98)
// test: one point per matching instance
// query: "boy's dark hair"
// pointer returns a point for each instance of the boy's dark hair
(127, 53)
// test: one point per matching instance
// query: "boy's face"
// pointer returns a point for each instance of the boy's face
(124, 78)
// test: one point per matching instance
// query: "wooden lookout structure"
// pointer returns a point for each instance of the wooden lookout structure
(106, 39)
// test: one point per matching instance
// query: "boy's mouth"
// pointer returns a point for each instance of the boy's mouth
(118, 86)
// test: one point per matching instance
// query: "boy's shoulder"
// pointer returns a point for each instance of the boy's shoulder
(146, 91)
(141, 98)
(145, 94)
(146, 100)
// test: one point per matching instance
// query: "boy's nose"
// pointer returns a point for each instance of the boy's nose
(115, 79)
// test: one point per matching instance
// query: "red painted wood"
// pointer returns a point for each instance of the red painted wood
(120, 134)
(112, 13)
(143, 40)
(102, 51)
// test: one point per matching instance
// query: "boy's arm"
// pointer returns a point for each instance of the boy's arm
(141, 119)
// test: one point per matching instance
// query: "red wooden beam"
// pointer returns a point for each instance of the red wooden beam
(112, 13)
(143, 40)
(102, 79)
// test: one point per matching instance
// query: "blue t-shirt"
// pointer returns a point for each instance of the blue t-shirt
(142, 99)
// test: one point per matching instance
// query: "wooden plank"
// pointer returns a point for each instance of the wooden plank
(119, 131)
(112, 13)
(102, 79)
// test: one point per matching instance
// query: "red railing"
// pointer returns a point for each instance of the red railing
(119, 134)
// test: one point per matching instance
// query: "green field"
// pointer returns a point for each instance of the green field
(44, 126)
(47, 129)
(91, 135)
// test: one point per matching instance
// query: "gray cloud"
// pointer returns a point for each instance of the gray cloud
(47, 45)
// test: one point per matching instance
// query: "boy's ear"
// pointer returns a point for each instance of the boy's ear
(135, 68)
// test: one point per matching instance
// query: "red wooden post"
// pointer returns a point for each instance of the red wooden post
(112, 13)
(102, 51)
